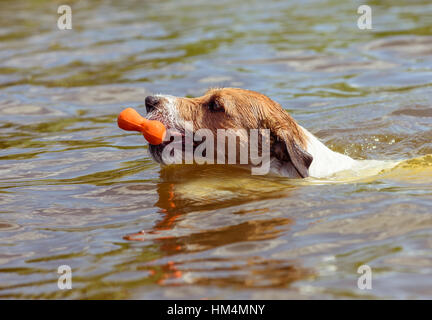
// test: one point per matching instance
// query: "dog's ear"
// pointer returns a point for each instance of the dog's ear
(290, 151)
(287, 140)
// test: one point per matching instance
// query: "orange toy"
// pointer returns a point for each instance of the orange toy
(154, 131)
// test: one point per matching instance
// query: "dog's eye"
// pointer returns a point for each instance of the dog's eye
(215, 106)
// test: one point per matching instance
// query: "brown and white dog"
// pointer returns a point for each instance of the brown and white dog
(294, 151)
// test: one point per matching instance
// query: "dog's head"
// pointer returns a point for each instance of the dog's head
(236, 109)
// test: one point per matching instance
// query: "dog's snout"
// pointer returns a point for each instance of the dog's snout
(151, 102)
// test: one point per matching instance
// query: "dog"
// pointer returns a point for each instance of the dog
(294, 151)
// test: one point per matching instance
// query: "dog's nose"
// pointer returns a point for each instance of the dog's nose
(151, 102)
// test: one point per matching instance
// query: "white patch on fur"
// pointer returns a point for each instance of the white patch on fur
(170, 107)
(325, 161)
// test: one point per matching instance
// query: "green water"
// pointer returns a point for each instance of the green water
(76, 190)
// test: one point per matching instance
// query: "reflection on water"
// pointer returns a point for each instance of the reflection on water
(76, 190)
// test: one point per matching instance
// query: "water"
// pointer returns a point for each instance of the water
(76, 190)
